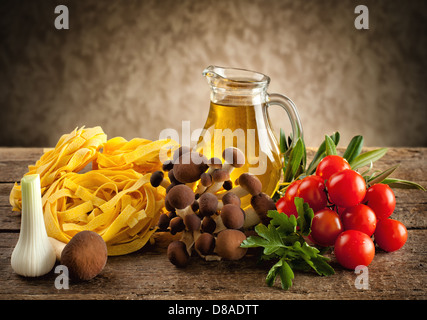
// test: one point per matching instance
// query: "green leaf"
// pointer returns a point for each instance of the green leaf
(294, 162)
(404, 184)
(305, 216)
(366, 158)
(321, 152)
(283, 143)
(354, 148)
(380, 177)
(285, 225)
(286, 275)
(274, 241)
(330, 146)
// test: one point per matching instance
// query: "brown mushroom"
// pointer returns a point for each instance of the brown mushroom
(208, 224)
(177, 254)
(192, 222)
(208, 204)
(228, 244)
(262, 203)
(232, 216)
(176, 225)
(181, 197)
(158, 179)
(189, 167)
(248, 184)
(233, 157)
(232, 198)
(163, 222)
(85, 255)
(205, 244)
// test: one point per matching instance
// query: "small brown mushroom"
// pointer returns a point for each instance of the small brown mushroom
(85, 255)
(205, 244)
(228, 244)
(181, 197)
(233, 157)
(262, 203)
(176, 225)
(248, 184)
(231, 198)
(208, 225)
(158, 179)
(192, 222)
(232, 216)
(189, 167)
(163, 222)
(179, 152)
(177, 254)
(208, 204)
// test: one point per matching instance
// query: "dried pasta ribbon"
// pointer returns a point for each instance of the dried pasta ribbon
(114, 199)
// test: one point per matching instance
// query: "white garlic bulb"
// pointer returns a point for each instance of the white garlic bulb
(33, 255)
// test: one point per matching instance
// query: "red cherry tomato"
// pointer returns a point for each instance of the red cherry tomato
(325, 227)
(346, 188)
(312, 190)
(287, 204)
(390, 234)
(330, 165)
(381, 199)
(354, 248)
(360, 218)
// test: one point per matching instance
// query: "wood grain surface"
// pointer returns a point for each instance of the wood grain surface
(147, 273)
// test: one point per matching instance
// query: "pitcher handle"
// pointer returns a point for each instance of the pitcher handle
(291, 110)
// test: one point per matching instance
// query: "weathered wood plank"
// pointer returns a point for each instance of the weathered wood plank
(147, 274)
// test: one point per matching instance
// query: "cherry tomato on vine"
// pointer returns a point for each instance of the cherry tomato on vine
(286, 203)
(380, 198)
(390, 234)
(330, 165)
(346, 188)
(325, 227)
(312, 190)
(360, 218)
(354, 248)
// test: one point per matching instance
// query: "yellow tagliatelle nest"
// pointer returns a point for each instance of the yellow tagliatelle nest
(114, 199)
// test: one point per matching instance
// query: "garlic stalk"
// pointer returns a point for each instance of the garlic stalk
(33, 255)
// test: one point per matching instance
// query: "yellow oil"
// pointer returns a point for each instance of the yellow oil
(246, 127)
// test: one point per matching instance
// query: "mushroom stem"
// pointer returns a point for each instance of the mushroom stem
(58, 246)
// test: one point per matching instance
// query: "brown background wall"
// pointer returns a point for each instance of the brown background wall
(134, 67)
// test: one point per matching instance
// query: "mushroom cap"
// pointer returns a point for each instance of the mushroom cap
(262, 203)
(208, 204)
(167, 165)
(231, 198)
(220, 175)
(206, 179)
(156, 178)
(179, 152)
(208, 225)
(234, 156)
(192, 222)
(176, 225)
(163, 222)
(232, 216)
(85, 255)
(227, 185)
(215, 163)
(205, 244)
(177, 254)
(250, 183)
(180, 196)
(189, 167)
(228, 244)
(172, 177)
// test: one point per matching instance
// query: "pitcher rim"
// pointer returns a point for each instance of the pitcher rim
(251, 77)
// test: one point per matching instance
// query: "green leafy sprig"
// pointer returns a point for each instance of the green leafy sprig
(283, 239)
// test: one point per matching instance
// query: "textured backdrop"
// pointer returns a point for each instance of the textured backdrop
(134, 67)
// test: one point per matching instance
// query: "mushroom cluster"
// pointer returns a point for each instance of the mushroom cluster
(204, 205)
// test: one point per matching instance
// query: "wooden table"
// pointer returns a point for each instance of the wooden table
(147, 274)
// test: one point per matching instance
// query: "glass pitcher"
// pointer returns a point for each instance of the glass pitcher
(238, 117)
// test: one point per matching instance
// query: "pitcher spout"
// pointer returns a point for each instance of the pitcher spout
(234, 77)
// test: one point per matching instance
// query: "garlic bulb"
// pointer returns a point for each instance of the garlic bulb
(33, 255)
